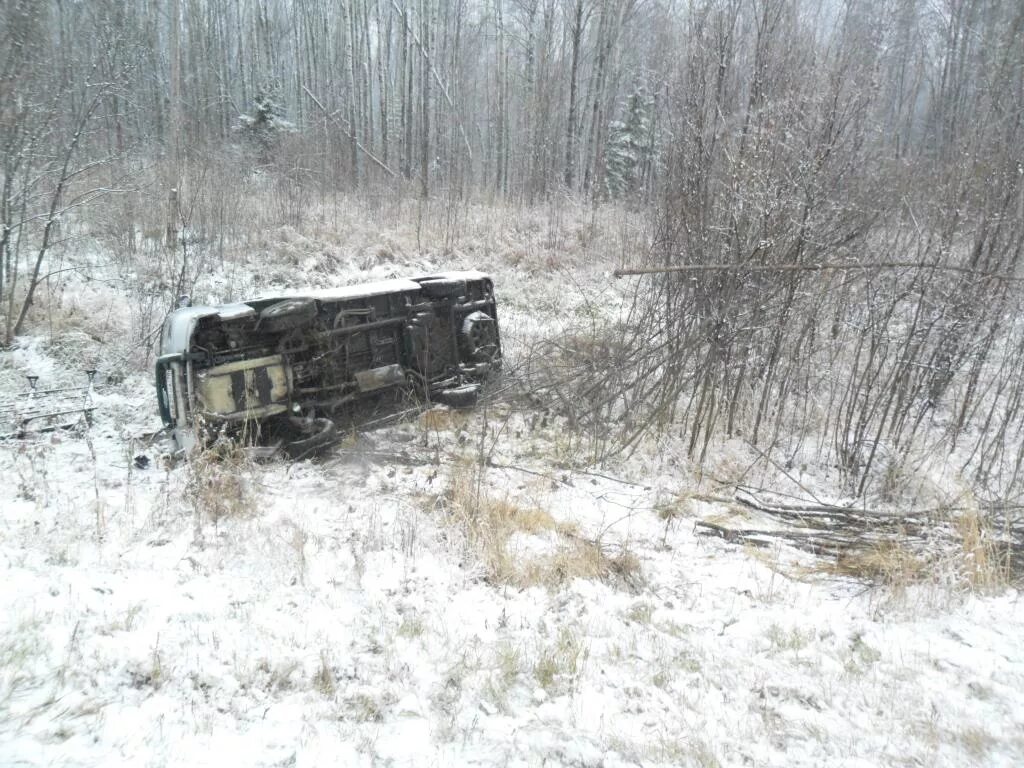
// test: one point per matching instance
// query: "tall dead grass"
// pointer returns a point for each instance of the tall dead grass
(488, 523)
(966, 554)
(216, 486)
(985, 563)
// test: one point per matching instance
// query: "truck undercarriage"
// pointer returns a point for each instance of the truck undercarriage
(284, 371)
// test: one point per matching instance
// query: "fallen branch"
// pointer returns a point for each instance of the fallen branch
(843, 532)
(821, 267)
(351, 134)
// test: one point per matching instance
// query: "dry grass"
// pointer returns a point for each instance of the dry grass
(579, 559)
(488, 525)
(890, 563)
(977, 742)
(984, 562)
(216, 486)
(441, 418)
(324, 679)
(559, 665)
(965, 554)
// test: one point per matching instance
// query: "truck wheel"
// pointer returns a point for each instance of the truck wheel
(480, 336)
(465, 396)
(288, 314)
(443, 287)
(316, 434)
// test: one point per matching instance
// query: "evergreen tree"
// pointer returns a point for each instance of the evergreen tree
(628, 147)
(266, 123)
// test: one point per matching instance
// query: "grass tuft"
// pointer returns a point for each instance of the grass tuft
(488, 525)
(441, 418)
(559, 665)
(324, 680)
(889, 563)
(984, 562)
(216, 485)
(964, 554)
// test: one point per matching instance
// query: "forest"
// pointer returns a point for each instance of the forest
(765, 142)
(748, 489)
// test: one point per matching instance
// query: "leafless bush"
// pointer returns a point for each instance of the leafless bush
(827, 289)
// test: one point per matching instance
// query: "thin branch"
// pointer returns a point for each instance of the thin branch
(351, 134)
(820, 267)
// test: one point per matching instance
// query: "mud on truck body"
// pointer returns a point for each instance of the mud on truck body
(283, 370)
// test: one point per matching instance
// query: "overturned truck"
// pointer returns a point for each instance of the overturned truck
(283, 371)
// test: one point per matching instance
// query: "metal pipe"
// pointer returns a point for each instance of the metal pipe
(50, 391)
(394, 321)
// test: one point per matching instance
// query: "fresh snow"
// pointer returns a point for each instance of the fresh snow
(337, 619)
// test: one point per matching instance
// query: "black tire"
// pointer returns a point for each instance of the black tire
(317, 434)
(288, 314)
(465, 396)
(442, 287)
(479, 333)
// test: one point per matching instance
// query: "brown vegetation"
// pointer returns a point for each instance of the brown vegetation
(488, 525)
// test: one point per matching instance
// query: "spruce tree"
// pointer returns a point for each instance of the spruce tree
(627, 147)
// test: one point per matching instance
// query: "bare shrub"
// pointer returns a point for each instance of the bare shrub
(825, 293)
(582, 373)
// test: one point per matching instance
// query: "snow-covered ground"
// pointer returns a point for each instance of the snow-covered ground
(340, 612)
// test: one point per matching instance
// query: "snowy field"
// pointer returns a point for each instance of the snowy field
(454, 589)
